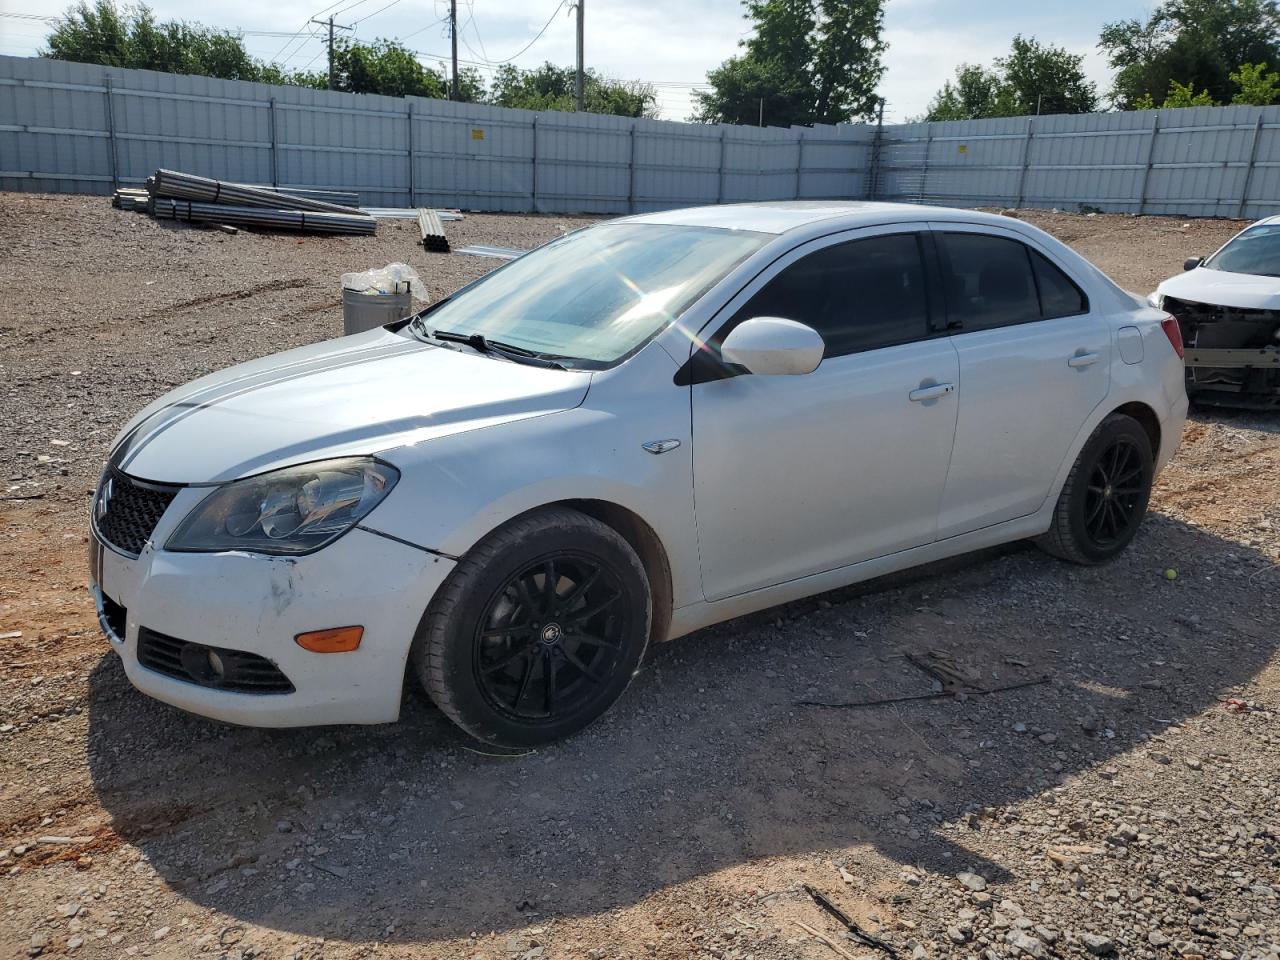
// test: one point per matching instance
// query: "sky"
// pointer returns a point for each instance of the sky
(672, 43)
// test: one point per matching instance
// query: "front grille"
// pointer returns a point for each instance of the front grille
(215, 667)
(126, 511)
(113, 615)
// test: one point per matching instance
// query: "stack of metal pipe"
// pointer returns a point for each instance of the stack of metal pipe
(309, 221)
(172, 195)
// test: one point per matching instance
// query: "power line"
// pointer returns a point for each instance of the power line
(370, 16)
(304, 27)
(537, 37)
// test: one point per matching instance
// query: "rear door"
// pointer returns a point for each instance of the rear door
(796, 475)
(1034, 363)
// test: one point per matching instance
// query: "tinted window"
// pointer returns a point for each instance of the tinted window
(1059, 297)
(989, 281)
(858, 295)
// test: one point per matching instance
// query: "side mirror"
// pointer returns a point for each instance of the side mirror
(1192, 262)
(774, 346)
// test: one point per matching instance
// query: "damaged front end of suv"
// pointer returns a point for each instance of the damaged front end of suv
(1228, 309)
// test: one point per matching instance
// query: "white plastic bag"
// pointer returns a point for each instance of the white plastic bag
(393, 278)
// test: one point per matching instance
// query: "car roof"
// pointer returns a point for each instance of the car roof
(782, 216)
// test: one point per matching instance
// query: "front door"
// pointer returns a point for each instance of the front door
(796, 475)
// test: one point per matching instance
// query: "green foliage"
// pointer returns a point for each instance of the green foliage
(385, 67)
(1144, 102)
(552, 88)
(1200, 42)
(808, 61)
(1184, 95)
(1257, 87)
(104, 34)
(1047, 79)
(976, 93)
(1033, 78)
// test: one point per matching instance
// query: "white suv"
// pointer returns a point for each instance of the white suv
(642, 428)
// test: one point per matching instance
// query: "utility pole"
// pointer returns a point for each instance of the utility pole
(577, 87)
(761, 123)
(330, 24)
(453, 35)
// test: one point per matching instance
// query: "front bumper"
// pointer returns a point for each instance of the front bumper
(257, 604)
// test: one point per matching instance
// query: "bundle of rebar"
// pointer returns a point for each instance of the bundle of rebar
(312, 221)
(187, 186)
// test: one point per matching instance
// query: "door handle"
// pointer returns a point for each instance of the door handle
(921, 394)
(1083, 360)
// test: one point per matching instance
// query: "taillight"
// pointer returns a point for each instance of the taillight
(1171, 330)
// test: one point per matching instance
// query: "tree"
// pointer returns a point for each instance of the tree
(807, 61)
(1196, 42)
(102, 34)
(385, 67)
(552, 88)
(1257, 87)
(1047, 79)
(1033, 78)
(976, 93)
(1184, 95)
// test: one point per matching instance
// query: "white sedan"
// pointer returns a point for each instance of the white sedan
(637, 430)
(1228, 308)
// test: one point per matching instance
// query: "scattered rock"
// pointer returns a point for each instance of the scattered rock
(972, 881)
(1097, 944)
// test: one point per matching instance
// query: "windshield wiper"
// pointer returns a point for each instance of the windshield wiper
(482, 344)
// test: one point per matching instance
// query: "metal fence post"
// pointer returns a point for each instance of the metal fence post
(413, 192)
(799, 160)
(275, 156)
(720, 169)
(1146, 173)
(873, 174)
(924, 167)
(1026, 162)
(631, 173)
(111, 134)
(533, 161)
(1248, 174)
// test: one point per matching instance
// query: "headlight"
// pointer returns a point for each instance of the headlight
(1156, 300)
(290, 511)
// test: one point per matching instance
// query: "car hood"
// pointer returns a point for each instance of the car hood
(353, 396)
(1224, 289)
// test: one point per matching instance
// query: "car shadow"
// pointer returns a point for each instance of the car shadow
(411, 833)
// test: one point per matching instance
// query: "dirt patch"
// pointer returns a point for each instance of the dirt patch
(1127, 807)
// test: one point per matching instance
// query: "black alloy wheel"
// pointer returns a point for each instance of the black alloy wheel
(537, 631)
(1116, 493)
(1105, 495)
(550, 637)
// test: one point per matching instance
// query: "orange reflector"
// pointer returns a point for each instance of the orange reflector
(333, 640)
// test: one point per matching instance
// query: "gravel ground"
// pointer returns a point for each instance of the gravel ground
(1125, 806)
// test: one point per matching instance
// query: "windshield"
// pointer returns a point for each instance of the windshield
(597, 294)
(1256, 250)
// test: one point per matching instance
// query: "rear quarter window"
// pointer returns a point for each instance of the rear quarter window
(997, 281)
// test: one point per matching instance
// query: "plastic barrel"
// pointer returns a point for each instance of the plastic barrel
(365, 311)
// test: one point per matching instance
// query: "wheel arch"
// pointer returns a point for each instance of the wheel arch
(1148, 420)
(641, 537)
(648, 547)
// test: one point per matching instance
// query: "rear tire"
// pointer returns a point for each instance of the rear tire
(537, 631)
(1105, 496)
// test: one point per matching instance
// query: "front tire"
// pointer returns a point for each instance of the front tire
(1105, 496)
(537, 631)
